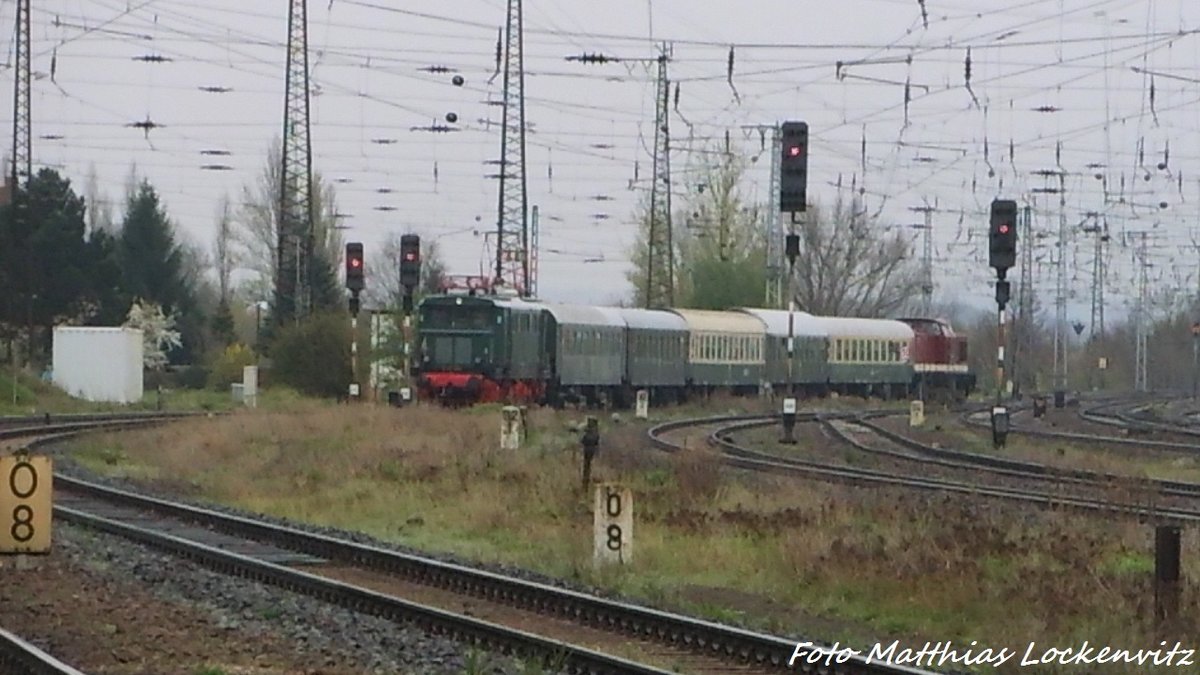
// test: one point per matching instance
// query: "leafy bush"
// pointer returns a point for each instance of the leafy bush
(227, 368)
(314, 356)
(190, 377)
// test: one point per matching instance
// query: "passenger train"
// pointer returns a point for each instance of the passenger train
(483, 349)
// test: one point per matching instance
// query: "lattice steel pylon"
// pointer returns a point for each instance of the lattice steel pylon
(1141, 314)
(927, 283)
(1099, 276)
(22, 160)
(660, 254)
(1061, 337)
(296, 238)
(512, 220)
(1022, 334)
(774, 231)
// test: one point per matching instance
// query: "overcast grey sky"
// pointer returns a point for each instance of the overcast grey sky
(1044, 74)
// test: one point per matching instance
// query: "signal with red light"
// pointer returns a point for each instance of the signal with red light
(1002, 236)
(355, 267)
(410, 261)
(793, 171)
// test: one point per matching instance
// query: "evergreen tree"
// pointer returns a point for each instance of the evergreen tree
(153, 264)
(46, 264)
(151, 261)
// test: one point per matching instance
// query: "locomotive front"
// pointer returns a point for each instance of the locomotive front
(457, 349)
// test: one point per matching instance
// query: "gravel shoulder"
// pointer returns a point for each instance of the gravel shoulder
(107, 606)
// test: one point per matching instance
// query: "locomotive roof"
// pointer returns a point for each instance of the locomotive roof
(721, 322)
(776, 320)
(652, 319)
(883, 329)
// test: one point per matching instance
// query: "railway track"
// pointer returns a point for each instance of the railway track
(18, 657)
(735, 454)
(1134, 418)
(468, 604)
(555, 626)
(1100, 414)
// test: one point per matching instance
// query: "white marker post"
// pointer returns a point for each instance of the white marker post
(789, 421)
(642, 411)
(613, 525)
(916, 413)
(510, 428)
(250, 386)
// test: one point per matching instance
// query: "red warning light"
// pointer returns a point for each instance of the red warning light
(795, 151)
(1003, 228)
(355, 262)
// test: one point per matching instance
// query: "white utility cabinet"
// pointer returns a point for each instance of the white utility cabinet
(99, 363)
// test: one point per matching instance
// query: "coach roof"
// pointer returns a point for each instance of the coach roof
(776, 320)
(581, 315)
(879, 329)
(721, 322)
(651, 319)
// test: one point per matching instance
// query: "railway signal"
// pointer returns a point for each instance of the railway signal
(792, 248)
(1002, 236)
(355, 268)
(410, 262)
(1002, 254)
(793, 174)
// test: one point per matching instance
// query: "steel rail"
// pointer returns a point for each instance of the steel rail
(1034, 470)
(742, 457)
(18, 657)
(747, 458)
(734, 644)
(715, 639)
(571, 658)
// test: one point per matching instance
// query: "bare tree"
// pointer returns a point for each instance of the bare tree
(720, 248)
(258, 225)
(224, 257)
(850, 266)
(717, 237)
(99, 208)
(383, 272)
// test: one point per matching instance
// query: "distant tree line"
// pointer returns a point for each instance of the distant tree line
(70, 261)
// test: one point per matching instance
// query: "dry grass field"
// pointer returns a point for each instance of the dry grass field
(784, 555)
